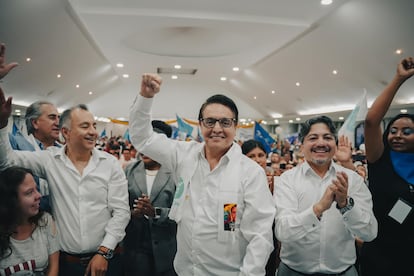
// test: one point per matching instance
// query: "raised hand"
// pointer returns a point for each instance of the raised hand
(5, 68)
(5, 109)
(406, 68)
(150, 85)
(344, 151)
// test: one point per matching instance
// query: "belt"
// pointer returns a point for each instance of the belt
(321, 274)
(83, 259)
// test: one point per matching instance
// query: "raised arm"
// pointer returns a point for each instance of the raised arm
(5, 68)
(373, 133)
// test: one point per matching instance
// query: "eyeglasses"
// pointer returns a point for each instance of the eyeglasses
(211, 122)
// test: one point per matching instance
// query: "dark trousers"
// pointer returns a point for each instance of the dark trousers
(142, 264)
(78, 269)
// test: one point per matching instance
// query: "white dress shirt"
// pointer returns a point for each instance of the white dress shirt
(204, 247)
(90, 209)
(328, 245)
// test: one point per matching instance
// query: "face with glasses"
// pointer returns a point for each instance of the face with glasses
(218, 127)
(401, 135)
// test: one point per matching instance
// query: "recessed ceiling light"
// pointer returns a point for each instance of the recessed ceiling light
(403, 110)
(341, 118)
(223, 78)
(90, 92)
(255, 97)
(77, 86)
(298, 84)
(398, 51)
(58, 76)
(174, 77)
(334, 72)
(273, 91)
(28, 59)
(17, 110)
(290, 121)
(297, 119)
(120, 65)
(326, 2)
(177, 66)
(236, 69)
(125, 76)
(276, 121)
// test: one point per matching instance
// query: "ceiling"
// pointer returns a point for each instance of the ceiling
(275, 44)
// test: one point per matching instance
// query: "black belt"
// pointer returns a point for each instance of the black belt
(320, 274)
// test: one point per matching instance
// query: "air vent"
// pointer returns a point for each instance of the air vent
(182, 71)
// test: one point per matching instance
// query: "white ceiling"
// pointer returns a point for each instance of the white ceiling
(275, 43)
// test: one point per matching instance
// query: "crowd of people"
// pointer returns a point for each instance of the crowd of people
(157, 206)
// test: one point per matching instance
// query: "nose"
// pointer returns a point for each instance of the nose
(38, 195)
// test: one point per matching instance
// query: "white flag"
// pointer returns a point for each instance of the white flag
(357, 115)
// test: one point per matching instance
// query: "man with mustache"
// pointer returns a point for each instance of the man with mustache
(321, 208)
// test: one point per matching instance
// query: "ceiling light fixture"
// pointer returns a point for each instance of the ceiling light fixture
(398, 51)
(177, 66)
(28, 59)
(341, 118)
(298, 84)
(403, 110)
(334, 72)
(120, 65)
(273, 91)
(326, 2)
(236, 69)
(77, 86)
(223, 78)
(90, 92)
(58, 76)
(174, 77)
(125, 76)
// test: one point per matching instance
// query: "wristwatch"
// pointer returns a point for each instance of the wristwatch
(105, 252)
(157, 212)
(347, 207)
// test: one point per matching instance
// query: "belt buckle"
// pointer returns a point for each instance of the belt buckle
(84, 260)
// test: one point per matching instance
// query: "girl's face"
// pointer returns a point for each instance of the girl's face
(29, 197)
(401, 135)
(259, 156)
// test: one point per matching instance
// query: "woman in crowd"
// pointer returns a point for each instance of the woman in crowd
(390, 159)
(28, 238)
(256, 151)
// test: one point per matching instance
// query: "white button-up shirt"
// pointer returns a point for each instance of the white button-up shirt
(90, 209)
(328, 245)
(204, 247)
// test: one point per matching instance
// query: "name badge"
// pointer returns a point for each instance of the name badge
(400, 211)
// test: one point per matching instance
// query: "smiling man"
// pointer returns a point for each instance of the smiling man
(88, 190)
(321, 208)
(210, 176)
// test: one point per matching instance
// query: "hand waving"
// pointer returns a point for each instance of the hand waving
(5, 109)
(5, 68)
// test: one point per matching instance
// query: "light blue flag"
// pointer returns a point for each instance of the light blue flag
(126, 135)
(199, 136)
(184, 127)
(261, 135)
(356, 115)
(103, 133)
(15, 129)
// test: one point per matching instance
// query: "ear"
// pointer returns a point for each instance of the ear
(35, 124)
(65, 132)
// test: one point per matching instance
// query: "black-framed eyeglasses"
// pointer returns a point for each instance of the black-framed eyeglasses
(223, 122)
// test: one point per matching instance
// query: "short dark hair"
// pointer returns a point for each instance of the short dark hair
(305, 127)
(220, 99)
(65, 118)
(250, 145)
(162, 127)
(395, 118)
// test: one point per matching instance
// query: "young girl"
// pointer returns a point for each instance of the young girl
(28, 238)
